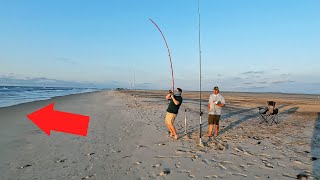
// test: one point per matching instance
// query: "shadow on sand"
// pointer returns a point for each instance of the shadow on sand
(250, 114)
(235, 123)
(290, 111)
(315, 148)
(245, 118)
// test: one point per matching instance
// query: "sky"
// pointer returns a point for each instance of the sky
(246, 45)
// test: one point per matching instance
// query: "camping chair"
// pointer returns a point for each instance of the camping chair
(269, 113)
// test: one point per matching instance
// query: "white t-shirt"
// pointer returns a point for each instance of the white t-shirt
(214, 109)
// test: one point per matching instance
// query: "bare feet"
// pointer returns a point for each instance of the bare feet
(175, 137)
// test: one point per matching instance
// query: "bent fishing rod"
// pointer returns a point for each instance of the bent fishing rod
(168, 52)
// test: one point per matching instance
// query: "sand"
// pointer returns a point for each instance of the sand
(127, 139)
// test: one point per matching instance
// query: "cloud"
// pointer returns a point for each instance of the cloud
(65, 60)
(115, 82)
(282, 81)
(252, 77)
(10, 75)
(15, 80)
(236, 78)
(285, 74)
(257, 87)
(41, 81)
(143, 85)
(253, 72)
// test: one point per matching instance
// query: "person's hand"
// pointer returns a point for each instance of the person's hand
(216, 102)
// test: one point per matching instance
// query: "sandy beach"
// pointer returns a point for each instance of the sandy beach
(127, 139)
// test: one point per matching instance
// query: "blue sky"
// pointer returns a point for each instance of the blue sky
(247, 45)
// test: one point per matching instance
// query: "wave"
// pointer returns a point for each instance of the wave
(18, 94)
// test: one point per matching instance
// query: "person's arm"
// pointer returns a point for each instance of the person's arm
(222, 102)
(176, 102)
(209, 106)
(168, 96)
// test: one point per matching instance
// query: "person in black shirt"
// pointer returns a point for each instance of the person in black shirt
(172, 111)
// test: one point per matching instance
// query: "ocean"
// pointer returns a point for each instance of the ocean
(13, 95)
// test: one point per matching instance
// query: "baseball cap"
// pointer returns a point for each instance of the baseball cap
(216, 88)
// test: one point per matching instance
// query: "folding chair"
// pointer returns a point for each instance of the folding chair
(269, 113)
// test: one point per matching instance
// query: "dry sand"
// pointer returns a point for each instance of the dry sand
(127, 139)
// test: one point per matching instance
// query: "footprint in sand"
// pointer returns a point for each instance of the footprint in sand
(89, 176)
(61, 160)
(89, 167)
(177, 165)
(90, 154)
(165, 172)
(156, 165)
(141, 146)
(210, 177)
(25, 166)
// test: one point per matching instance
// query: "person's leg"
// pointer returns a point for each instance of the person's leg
(170, 130)
(210, 127)
(209, 134)
(174, 132)
(217, 131)
(167, 121)
(173, 129)
(216, 122)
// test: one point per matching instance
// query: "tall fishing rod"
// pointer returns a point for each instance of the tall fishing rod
(134, 84)
(200, 142)
(131, 86)
(168, 52)
(134, 77)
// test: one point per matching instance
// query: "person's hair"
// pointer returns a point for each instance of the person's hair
(179, 89)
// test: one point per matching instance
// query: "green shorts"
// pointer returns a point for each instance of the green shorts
(213, 119)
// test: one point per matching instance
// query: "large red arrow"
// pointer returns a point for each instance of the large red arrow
(49, 120)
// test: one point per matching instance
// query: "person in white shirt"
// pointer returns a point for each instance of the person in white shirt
(215, 104)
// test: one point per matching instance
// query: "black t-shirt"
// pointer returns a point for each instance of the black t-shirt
(173, 108)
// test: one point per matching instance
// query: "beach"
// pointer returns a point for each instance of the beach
(127, 139)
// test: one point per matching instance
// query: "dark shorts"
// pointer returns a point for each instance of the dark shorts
(213, 119)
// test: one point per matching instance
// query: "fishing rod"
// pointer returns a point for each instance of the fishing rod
(130, 75)
(134, 84)
(200, 142)
(168, 52)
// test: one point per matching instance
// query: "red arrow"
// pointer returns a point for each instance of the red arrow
(49, 119)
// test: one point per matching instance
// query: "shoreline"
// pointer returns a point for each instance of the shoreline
(39, 100)
(274, 94)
